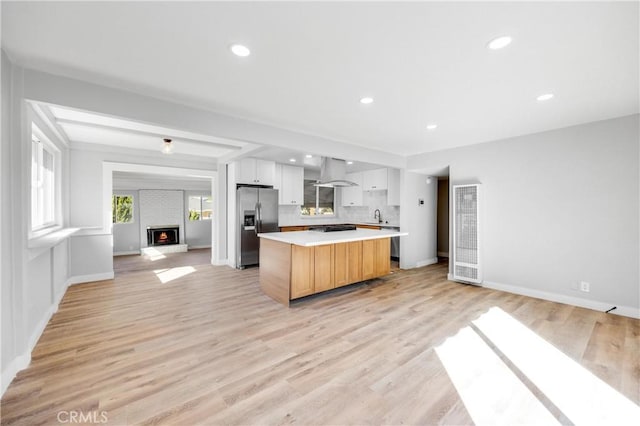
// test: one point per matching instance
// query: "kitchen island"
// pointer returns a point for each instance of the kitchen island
(301, 263)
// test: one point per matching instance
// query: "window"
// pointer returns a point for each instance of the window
(43, 183)
(318, 201)
(200, 207)
(122, 208)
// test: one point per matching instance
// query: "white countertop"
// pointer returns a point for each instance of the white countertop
(315, 238)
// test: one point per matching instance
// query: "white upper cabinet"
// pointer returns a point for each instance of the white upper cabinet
(393, 187)
(256, 172)
(352, 195)
(291, 185)
(374, 180)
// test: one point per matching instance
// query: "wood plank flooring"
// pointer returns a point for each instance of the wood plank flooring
(207, 347)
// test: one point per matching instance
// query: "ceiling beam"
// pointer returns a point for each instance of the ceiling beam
(72, 93)
(96, 126)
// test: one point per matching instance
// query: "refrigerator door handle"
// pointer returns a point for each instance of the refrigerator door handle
(258, 219)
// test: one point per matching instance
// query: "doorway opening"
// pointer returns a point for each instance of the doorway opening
(442, 218)
(161, 217)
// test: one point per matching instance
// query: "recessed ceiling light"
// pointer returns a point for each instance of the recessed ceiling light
(545, 97)
(240, 50)
(309, 156)
(432, 126)
(293, 160)
(349, 162)
(499, 42)
(366, 100)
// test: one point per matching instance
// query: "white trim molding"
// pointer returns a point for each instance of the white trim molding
(126, 253)
(17, 364)
(626, 311)
(427, 262)
(220, 262)
(81, 279)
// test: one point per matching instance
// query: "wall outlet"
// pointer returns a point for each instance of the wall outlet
(584, 286)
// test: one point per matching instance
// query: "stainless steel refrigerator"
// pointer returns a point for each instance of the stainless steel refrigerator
(257, 210)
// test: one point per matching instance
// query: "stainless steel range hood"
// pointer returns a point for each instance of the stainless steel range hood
(332, 173)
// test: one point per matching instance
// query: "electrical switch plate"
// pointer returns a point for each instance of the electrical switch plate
(584, 286)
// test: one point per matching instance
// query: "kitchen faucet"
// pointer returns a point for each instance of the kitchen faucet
(376, 215)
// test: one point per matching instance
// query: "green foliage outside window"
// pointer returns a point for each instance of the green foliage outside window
(200, 207)
(122, 208)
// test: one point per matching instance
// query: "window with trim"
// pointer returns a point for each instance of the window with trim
(200, 207)
(122, 208)
(43, 182)
(318, 201)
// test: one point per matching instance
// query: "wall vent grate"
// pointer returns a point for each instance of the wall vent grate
(466, 231)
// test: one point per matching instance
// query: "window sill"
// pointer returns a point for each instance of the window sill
(51, 239)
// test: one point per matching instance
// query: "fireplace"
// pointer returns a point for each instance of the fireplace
(163, 235)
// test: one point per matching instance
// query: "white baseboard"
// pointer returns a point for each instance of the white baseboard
(443, 254)
(427, 262)
(199, 247)
(18, 363)
(626, 311)
(35, 336)
(126, 253)
(219, 262)
(79, 279)
(21, 362)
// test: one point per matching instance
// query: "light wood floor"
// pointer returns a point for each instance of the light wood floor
(210, 348)
(135, 262)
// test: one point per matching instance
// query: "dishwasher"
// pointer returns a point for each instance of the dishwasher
(395, 245)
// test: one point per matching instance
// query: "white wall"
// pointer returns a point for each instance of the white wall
(32, 279)
(559, 207)
(8, 347)
(419, 248)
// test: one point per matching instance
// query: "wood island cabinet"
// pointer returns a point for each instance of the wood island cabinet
(324, 268)
(354, 271)
(290, 271)
(302, 271)
(368, 259)
(382, 251)
(341, 264)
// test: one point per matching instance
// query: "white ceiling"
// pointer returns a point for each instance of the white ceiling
(84, 127)
(312, 62)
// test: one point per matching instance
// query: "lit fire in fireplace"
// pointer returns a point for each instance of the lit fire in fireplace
(163, 235)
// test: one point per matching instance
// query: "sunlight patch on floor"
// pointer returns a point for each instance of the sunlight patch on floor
(153, 254)
(168, 275)
(494, 394)
(579, 394)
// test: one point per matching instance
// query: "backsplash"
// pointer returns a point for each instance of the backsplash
(372, 200)
(290, 215)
